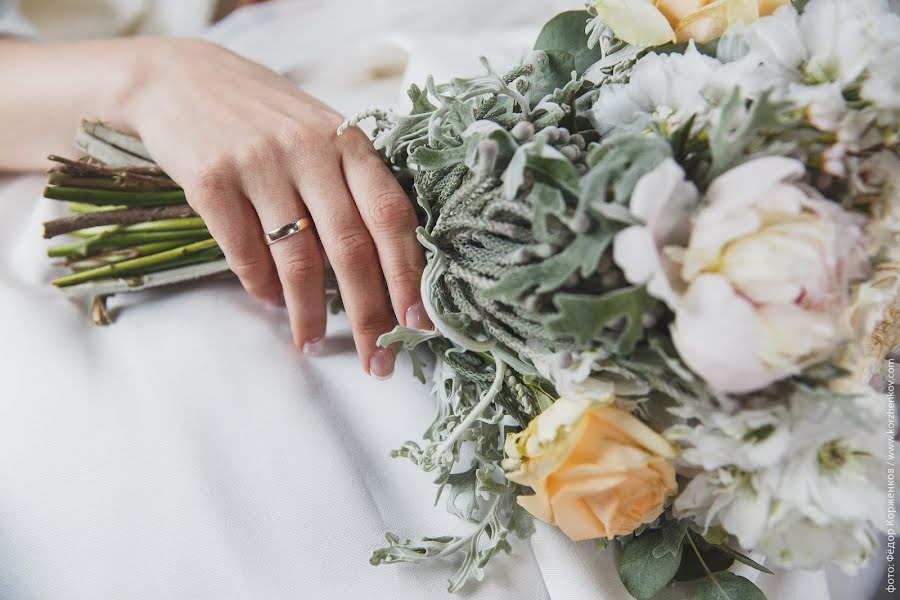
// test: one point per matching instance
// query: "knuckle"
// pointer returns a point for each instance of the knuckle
(298, 267)
(213, 182)
(374, 325)
(353, 250)
(404, 280)
(253, 153)
(255, 272)
(391, 212)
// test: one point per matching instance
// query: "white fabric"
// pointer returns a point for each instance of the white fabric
(189, 451)
(63, 20)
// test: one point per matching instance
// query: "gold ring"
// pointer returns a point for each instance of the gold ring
(288, 230)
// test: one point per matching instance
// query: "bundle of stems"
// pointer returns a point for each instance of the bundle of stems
(130, 227)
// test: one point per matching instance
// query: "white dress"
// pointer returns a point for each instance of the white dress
(58, 20)
(189, 452)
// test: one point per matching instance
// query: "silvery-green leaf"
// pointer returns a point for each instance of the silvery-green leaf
(584, 317)
(408, 337)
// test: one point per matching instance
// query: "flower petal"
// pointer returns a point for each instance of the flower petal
(636, 22)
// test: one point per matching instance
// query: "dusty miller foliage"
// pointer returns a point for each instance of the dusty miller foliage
(519, 200)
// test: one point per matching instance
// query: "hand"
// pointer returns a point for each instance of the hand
(254, 153)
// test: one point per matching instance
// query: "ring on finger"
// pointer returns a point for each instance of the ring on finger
(288, 230)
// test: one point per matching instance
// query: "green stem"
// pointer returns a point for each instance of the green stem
(183, 255)
(86, 247)
(81, 208)
(106, 197)
(135, 183)
(115, 256)
(706, 568)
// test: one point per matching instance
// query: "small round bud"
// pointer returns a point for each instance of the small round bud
(523, 131)
(564, 135)
(578, 140)
(570, 151)
(551, 133)
(581, 223)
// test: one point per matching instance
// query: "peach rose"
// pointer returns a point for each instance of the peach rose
(597, 471)
(654, 22)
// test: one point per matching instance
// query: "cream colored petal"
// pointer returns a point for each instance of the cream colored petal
(636, 430)
(637, 22)
(705, 24)
(767, 7)
(744, 11)
(675, 10)
(538, 505)
(576, 519)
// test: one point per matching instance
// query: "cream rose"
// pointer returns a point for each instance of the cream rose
(597, 471)
(653, 22)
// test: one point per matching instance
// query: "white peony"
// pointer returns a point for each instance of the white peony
(762, 278)
(664, 202)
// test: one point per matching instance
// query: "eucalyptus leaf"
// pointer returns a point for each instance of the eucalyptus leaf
(644, 575)
(566, 32)
(744, 559)
(728, 586)
(551, 70)
(691, 568)
(673, 538)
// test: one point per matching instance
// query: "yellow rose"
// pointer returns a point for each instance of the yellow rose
(646, 23)
(597, 471)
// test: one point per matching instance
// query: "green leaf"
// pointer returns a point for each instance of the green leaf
(418, 367)
(728, 586)
(742, 133)
(644, 575)
(744, 559)
(408, 337)
(430, 159)
(673, 538)
(566, 32)
(551, 70)
(691, 569)
(582, 255)
(420, 102)
(584, 317)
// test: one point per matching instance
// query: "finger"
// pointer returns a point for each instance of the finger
(217, 197)
(391, 220)
(353, 256)
(298, 258)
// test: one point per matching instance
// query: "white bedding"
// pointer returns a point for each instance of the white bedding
(189, 451)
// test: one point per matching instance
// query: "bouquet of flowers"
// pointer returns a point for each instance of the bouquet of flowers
(663, 264)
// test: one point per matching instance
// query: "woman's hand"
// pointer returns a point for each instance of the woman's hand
(254, 153)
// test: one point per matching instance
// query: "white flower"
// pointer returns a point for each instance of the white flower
(665, 88)
(814, 59)
(749, 439)
(818, 479)
(762, 278)
(664, 201)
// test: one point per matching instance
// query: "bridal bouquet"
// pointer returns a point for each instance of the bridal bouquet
(663, 264)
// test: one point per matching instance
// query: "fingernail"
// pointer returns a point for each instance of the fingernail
(381, 365)
(313, 347)
(417, 318)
